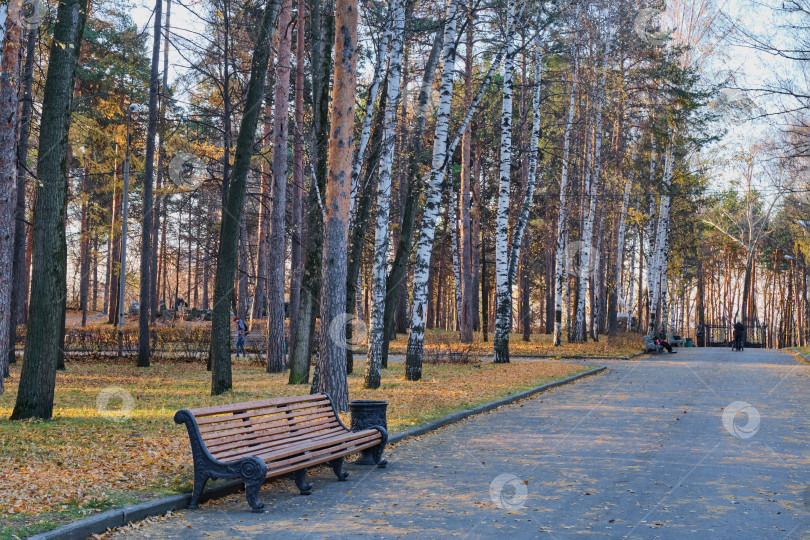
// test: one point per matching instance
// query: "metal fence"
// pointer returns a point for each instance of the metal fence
(723, 335)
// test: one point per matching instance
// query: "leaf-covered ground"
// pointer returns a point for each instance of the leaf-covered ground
(623, 344)
(86, 460)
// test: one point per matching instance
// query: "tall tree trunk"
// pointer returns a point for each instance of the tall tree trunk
(9, 82)
(49, 249)
(359, 226)
(296, 227)
(323, 29)
(84, 249)
(531, 180)
(654, 271)
(160, 201)
(113, 262)
(475, 243)
(229, 229)
(19, 296)
(276, 247)
(146, 225)
(332, 358)
(561, 273)
(616, 293)
(381, 233)
(465, 255)
(397, 278)
(503, 291)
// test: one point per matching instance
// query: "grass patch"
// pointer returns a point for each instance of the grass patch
(83, 462)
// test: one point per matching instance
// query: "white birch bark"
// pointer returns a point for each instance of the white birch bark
(381, 236)
(365, 132)
(661, 237)
(561, 271)
(591, 190)
(413, 368)
(531, 181)
(503, 294)
(620, 238)
(631, 283)
(454, 239)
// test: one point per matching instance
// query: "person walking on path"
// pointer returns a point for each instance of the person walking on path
(739, 331)
(661, 339)
(240, 337)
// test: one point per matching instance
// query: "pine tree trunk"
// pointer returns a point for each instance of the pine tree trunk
(84, 250)
(332, 358)
(381, 233)
(323, 30)
(276, 247)
(49, 250)
(229, 230)
(465, 263)
(160, 201)
(9, 82)
(503, 303)
(148, 199)
(296, 193)
(19, 295)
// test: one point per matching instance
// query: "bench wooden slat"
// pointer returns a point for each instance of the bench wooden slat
(247, 439)
(224, 409)
(321, 456)
(261, 443)
(261, 411)
(291, 417)
(310, 446)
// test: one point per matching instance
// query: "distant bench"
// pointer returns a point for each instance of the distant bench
(257, 440)
(650, 345)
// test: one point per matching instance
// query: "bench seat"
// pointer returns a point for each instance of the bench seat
(257, 440)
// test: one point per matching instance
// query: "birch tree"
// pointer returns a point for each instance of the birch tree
(413, 365)
(660, 252)
(380, 268)
(503, 309)
(561, 272)
(591, 187)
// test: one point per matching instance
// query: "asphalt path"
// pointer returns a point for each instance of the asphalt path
(707, 443)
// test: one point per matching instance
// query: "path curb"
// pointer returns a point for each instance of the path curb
(804, 356)
(121, 517)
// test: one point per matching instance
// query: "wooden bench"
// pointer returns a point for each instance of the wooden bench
(650, 345)
(257, 440)
(675, 341)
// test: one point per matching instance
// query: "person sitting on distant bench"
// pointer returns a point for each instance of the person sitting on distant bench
(661, 339)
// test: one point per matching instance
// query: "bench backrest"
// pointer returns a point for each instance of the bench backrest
(228, 430)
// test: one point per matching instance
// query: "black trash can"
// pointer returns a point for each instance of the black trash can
(366, 414)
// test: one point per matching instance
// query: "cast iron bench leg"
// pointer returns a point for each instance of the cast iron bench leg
(301, 482)
(337, 466)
